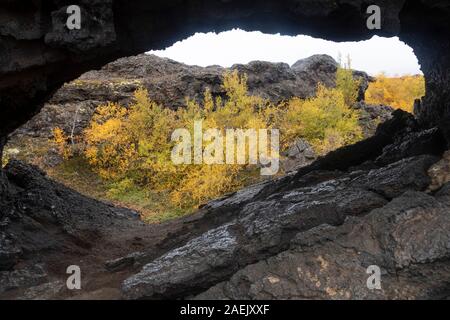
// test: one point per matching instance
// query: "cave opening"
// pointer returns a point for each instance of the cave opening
(385, 195)
(236, 46)
(277, 68)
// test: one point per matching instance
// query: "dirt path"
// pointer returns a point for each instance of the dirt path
(49, 227)
(97, 281)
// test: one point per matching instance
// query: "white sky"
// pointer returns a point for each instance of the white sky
(389, 55)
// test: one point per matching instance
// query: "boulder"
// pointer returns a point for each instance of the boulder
(371, 116)
(299, 154)
(440, 172)
(406, 239)
(263, 227)
(22, 278)
(38, 206)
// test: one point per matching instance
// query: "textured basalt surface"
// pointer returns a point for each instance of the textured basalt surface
(329, 262)
(307, 235)
(264, 227)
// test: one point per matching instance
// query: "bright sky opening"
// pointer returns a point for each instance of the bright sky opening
(377, 55)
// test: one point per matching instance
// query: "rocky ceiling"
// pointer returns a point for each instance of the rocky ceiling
(38, 53)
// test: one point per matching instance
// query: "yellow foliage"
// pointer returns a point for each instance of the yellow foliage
(204, 183)
(325, 121)
(109, 145)
(132, 146)
(60, 139)
(397, 92)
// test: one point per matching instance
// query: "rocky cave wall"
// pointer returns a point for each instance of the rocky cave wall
(38, 53)
(226, 241)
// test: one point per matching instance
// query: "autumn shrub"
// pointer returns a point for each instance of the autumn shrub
(132, 146)
(61, 141)
(397, 92)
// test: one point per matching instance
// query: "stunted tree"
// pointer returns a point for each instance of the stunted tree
(397, 92)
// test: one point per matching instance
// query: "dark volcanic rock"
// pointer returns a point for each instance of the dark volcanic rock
(407, 238)
(371, 116)
(259, 228)
(9, 253)
(37, 207)
(392, 180)
(347, 157)
(45, 291)
(440, 172)
(22, 278)
(123, 262)
(430, 141)
(299, 154)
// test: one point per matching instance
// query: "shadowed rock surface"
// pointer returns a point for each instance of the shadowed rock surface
(40, 215)
(261, 228)
(407, 238)
(47, 226)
